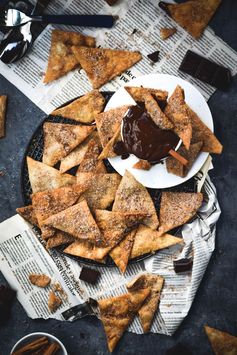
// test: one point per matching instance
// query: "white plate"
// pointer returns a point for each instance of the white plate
(157, 176)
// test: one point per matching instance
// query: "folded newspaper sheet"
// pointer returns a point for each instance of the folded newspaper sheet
(138, 28)
(22, 252)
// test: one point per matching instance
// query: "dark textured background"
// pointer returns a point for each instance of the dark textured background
(216, 299)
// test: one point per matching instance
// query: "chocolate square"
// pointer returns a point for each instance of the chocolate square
(89, 275)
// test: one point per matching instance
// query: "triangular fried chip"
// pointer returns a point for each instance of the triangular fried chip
(61, 58)
(48, 203)
(60, 139)
(87, 250)
(166, 33)
(83, 109)
(154, 283)
(222, 343)
(176, 110)
(107, 123)
(102, 65)
(108, 151)
(139, 93)
(156, 114)
(121, 253)
(133, 196)
(115, 225)
(77, 221)
(28, 214)
(39, 280)
(3, 107)
(174, 166)
(177, 208)
(193, 15)
(202, 133)
(60, 238)
(90, 161)
(43, 177)
(54, 302)
(75, 157)
(142, 165)
(118, 312)
(148, 241)
(100, 188)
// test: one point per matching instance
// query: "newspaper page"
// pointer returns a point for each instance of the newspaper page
(137, 28)
(178, 291)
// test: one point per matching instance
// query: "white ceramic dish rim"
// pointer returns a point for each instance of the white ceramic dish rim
(40, 334)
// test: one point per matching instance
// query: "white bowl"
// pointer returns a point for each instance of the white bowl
(32, 336)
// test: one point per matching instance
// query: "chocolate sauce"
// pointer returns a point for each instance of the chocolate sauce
(143, 138)
(120, 149)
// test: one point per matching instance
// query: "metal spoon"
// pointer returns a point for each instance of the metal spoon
(17, 41)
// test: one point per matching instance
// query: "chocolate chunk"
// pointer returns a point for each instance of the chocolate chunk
(89, 275)
(154, 56)
(7, 296)
(178, 349)
(111, 2)
(206, 70)
(134, 31)
(182, 265)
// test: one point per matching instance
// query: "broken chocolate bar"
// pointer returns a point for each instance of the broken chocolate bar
(154, 57)
(178, 349)
(206, 70)
(182, 265)
(89, 275)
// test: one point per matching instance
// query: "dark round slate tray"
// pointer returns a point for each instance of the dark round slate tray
(35, 150)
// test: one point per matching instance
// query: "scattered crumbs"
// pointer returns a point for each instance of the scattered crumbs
(58, 288)
(2, 173)
(134, 31)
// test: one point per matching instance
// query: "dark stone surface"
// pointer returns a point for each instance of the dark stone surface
(216, 299)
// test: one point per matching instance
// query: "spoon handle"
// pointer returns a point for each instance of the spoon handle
(77, 20)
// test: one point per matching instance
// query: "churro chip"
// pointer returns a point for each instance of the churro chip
(100, 189)
(76, 156)
(87, 250)
(156, 114)
(102, 65)
(222, 343)
(174, 166)
(108, 151)
(3, 107)
(43, 177)
(177, 208)
(60, 139)
(149, 241)
(115, 225)
(139, 93)
(133, 196)
(61, 58)
(83, 109)
(154, 283)
(202, 133)
(28, 214)
(166, 33)
(77, 221)
(193, 15)
(108, 123)
(54, 302)
(177, 112)
(121, 253)
(118, 312)
(39, 280)
(142, 165)
(50, 202)
(59, 238)
(90, 161)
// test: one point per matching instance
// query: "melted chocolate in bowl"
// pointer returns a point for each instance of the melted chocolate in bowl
(143, 138)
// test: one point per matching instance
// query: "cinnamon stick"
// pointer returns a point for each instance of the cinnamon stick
(34, 345)
(51, 349)
(178, 157)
